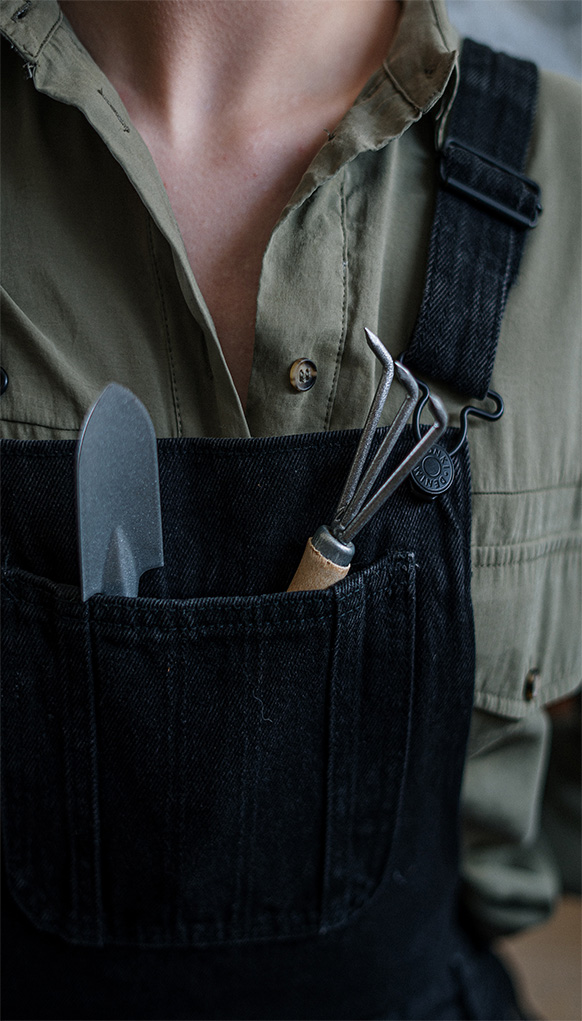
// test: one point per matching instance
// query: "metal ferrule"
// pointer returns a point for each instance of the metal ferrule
(340, 553)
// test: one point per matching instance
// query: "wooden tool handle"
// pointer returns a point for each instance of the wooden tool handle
(315, 571)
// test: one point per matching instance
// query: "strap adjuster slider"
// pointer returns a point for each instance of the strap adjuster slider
(506, 192)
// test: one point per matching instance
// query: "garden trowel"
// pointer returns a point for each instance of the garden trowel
(118, 495)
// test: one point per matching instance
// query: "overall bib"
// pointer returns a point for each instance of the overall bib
(224, 800)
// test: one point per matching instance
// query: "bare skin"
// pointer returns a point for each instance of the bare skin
(233, 99)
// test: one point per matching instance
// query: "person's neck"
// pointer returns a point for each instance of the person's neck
(233, 99)
(192, 60)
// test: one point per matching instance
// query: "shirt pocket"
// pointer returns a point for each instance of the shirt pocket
(526, 597)
(204, 771)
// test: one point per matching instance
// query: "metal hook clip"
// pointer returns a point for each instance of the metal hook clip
(489, 416)
(334, 544)
(435, 474)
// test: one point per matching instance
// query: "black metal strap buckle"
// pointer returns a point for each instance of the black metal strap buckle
(508, 212)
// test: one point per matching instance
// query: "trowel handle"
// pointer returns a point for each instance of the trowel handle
(315, 571)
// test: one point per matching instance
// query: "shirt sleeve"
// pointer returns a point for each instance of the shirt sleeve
(510, 877)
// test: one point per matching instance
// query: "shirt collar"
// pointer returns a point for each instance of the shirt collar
(412, 80)
(418, 75)
(423, 55)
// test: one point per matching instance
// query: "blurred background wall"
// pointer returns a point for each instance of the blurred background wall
(548, 32)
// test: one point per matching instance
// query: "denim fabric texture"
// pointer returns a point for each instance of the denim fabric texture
(258, 787)
(474, 255)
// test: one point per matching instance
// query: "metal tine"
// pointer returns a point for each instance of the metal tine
(346, 514)
(401, 471)
(374, 414)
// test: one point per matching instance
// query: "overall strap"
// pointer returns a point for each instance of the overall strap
(484, 207)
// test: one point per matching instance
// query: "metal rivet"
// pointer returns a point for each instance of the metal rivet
(531, 685)
(303, 374)
(3, 381)
(434, 475)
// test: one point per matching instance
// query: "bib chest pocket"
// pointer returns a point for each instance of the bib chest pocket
(205, 771)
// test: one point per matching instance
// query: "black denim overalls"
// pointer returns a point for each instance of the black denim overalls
(223, 800)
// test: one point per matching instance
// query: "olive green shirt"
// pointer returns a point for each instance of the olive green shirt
(97, 287)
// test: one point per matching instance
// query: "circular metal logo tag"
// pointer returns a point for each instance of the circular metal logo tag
(434, 474)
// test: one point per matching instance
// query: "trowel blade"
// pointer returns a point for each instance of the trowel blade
(119, 519)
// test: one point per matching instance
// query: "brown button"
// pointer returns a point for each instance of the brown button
(531, 685)
(303, 374)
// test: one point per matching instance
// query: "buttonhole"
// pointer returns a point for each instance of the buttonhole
(111, 107)
(22, 11)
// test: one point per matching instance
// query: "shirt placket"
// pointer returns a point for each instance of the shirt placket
(303, 308)
(64, 71)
